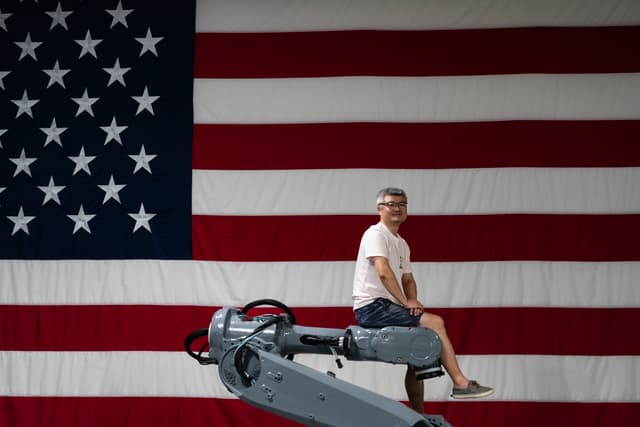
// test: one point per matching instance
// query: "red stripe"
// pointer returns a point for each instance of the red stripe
(530, 414)
(133, 412)
(432, 145)
(99, 327)
(417, 53)
(432, 238)
(561, 331)
(203, 412)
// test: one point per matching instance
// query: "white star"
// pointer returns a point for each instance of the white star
(142, 219)
(51, 191)
(3, 17)
(116, 74)
(20, 222)
(25, 104)
(81, 221)
(142, 160)
(82, 162)
(28, 47)
(88, 45)
(2, 132)
(56, 74)
(113, 131)
(119, 15)
(59, 17)
(22, 163)
(85, 103)
(111, 190)
(3, 74)
(149, 43)
(53, 133)
(144, 102)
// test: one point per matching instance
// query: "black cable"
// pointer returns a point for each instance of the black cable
(320, 340)
(239, 352)
(274, 303)
(271, 302)
(198, 333)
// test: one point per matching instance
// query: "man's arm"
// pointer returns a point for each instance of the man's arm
(411, 291)
(388, 279)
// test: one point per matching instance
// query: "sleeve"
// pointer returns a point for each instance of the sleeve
(374, 244)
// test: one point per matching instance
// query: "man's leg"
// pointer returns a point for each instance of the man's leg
(448, 356)
(415, 390)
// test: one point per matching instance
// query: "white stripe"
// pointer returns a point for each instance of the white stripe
(439, 191)
(313, 15)
(418, 99)
(520, 378)
(315, 284)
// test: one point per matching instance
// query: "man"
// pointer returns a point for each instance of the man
(385, 294)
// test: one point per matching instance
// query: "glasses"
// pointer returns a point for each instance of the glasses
(393, 205)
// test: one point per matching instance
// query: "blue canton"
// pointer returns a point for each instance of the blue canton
(96, 122)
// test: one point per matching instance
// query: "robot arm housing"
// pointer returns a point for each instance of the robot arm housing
(418, 347)
(254, 357)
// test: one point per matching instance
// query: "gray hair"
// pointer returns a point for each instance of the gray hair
(390, 191)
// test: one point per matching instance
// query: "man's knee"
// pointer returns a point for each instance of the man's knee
(432, 321)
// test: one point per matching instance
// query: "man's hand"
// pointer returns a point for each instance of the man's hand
(414, 306)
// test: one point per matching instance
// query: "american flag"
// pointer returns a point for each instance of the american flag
(162, 159)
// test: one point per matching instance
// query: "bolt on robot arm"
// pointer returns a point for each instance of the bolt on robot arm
(255, 362)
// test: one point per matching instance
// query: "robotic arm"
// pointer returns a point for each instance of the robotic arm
(255, 362)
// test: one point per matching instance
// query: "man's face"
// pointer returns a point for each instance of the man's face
(392, 211)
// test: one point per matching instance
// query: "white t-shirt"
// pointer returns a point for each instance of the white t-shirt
(378, 241)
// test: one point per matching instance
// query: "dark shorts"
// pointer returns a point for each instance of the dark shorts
(382, 312)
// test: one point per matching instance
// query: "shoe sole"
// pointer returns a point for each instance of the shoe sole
(473, 395)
